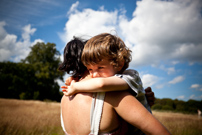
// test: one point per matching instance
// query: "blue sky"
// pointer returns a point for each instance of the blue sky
(164, 36)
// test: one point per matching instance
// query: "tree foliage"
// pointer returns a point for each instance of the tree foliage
(35, 77)
(45, 59)
(17, 79)
(167, 104)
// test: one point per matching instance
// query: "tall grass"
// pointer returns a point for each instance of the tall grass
(180, 124)
(20, 117)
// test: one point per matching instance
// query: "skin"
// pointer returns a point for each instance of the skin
(150, 96)
(123, 104)
(81, 102)
(148, 91)
(99, 83)
(103, 80)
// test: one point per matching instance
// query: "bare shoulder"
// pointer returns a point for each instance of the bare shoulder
(63, 98)
(115, 97)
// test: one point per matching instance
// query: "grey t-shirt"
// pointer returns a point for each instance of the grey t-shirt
(133, 80)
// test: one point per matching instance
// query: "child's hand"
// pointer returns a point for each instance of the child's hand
(69, 90)
(150, 96)
(69, 80)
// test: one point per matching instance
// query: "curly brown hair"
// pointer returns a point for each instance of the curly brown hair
(106, 46)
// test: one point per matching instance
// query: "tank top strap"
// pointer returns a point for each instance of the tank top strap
(96, 112)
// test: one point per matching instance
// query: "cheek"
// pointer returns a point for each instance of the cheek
(109, 73)
(104, 74)
(91, 75)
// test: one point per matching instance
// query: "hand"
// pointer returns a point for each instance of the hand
(69, 90)
(69, 80)
(150, 96)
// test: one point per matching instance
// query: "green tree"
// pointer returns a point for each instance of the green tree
(17, 80)
(176, 105)
(45, 60)
(156, 107)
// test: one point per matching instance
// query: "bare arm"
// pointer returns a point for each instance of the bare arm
(101, 85)
(95, 85)
(132, 111)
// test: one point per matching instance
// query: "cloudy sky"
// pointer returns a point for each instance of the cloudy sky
(164, 36)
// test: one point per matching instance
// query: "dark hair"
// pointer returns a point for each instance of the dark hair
(72, 58)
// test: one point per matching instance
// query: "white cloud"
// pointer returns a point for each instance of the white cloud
(169, 70)
(88, 22)
(192, 97)
(159, 86)
(174, 62)
(181, 97)
(199, 97)
(13, 50)
(196, 86)
(73, 8)
(167, 30)
(177, 79)
(27, 31)
(149, 80)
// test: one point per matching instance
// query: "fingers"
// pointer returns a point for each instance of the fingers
(65, 93)
(68, 80)
(65, 90)
(65, 87)
(148, 89)
(149, 93)
(150, 99)
(151, 104)
(150, 96)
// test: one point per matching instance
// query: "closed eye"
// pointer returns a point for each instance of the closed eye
(100, 67)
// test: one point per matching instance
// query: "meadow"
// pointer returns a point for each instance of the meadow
(29, 117)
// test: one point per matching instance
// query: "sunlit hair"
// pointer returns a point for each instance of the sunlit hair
(106, 46)
(72, 58)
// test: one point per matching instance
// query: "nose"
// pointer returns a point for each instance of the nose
(95, 74)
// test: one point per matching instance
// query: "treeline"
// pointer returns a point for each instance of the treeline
(166, 104)
(34, 77)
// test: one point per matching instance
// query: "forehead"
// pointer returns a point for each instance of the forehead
(103, 62)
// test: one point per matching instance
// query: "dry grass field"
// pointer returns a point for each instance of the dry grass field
(20, 117)
(180, 124)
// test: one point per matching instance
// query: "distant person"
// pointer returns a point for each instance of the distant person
(199, 113)
(75, 110)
